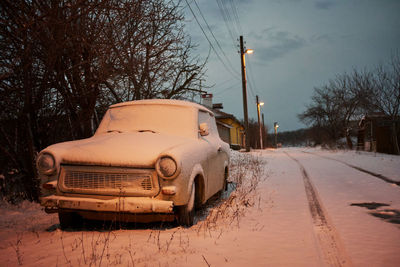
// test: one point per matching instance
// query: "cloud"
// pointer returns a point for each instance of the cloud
(324, 4)
(321, 38)
(285, 1)
(272, 44)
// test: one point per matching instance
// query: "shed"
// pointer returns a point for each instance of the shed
(375, 133)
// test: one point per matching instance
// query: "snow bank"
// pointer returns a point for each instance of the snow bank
(271, 227)
(385, 164)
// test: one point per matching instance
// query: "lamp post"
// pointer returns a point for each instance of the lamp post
(276, 134)
(244, 91)
(264, 133)
(259, 104)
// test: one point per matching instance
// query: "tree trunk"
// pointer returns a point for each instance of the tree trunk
(30, 178)
(348, 140)
(394, 139)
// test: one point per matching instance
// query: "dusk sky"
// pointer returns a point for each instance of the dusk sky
(298, 45)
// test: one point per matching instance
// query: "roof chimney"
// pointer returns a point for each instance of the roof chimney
(207, 100)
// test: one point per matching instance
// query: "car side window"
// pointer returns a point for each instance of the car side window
(205, 117)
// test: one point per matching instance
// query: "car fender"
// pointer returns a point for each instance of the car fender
(226, 164)
(197, 170)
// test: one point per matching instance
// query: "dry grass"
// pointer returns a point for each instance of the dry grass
(104, 248)
(17, 248)
(246, 172)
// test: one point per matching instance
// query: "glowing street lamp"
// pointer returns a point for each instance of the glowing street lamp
(249, 51)
(276, 133)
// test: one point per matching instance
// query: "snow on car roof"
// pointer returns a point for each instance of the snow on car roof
(173, 102)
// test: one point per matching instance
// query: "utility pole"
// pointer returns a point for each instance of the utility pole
(276, 134)
(264, 133)
(259, 121)
(244, 92)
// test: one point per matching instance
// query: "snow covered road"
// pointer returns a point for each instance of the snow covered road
(370, 236)
(310, 209)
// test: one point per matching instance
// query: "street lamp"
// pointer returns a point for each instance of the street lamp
(276, 133)
(244, 91)
(259, 104)
(249, 51)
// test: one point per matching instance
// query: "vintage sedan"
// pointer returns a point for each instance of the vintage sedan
(148, 160)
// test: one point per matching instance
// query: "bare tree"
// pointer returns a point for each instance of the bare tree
(349, 96)
(62, 62)
(20, 94)
(334, 106)
(254, 134)
(386, 95)
(152, 52)
(322, 114)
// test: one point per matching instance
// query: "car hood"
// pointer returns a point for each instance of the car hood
(138, 149)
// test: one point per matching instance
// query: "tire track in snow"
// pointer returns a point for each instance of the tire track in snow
(377, 175)
(328, 239)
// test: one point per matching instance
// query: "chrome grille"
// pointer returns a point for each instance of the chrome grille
(108, 180)
(98, 180)
(146, 184)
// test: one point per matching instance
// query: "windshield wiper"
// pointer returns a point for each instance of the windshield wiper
(112, 131)
(146, 131)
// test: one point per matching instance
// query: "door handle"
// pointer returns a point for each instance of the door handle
(219, 149)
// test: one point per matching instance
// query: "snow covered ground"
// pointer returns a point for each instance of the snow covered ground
(296, 207)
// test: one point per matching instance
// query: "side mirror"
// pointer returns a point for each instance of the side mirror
(203, 129)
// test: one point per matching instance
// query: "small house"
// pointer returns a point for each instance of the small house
(375, 133)
(229, 128)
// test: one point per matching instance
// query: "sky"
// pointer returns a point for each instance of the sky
(298, 45)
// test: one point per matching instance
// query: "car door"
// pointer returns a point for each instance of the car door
(215, 158)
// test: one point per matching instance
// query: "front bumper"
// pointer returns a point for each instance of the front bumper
(118, 204)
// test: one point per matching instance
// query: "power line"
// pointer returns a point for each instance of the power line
(251, 80)
(226, 17)
(218, 44)
(205, 35)
(251, 89)
(236, 16)
(225, 82)
(231, 18)
(227, 88)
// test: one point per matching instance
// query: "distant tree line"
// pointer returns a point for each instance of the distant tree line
(299, 137)
(62, 63)
(254, 134)
(346, 98)
(294, 138)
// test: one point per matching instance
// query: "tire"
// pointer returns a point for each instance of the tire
(225, 186)
(69, 220)
(185, 214)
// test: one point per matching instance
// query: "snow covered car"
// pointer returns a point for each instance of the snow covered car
(148, 160)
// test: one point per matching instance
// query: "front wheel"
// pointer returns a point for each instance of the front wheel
(225, 184)
(185, 214)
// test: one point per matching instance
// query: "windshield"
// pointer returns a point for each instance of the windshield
(168, 119)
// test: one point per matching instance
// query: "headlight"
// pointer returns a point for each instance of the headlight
(46, 164)
(166, 167)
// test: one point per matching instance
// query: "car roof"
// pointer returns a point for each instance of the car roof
(172, 102)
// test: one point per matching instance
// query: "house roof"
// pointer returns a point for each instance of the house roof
(224, 125)
(378, 117)
(223, 115)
